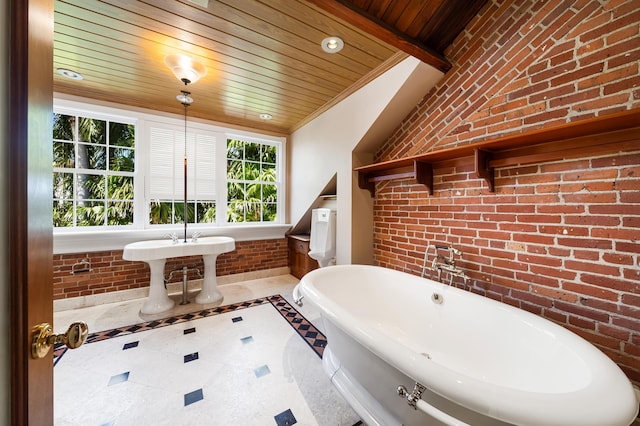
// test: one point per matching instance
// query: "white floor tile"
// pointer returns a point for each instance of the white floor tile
(224, 370)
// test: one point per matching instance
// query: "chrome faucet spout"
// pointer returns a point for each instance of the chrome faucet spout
(444, 263)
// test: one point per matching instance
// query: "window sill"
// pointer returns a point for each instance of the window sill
(91, 241)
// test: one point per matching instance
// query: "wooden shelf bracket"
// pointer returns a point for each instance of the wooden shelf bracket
(424, 174)
(365, 183)
(483, 170)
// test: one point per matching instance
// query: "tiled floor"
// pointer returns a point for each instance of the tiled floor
(253, 361)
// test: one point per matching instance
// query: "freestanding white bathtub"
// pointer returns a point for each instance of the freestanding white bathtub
(482, 362)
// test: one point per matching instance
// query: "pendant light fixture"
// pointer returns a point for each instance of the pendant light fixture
(188, 72)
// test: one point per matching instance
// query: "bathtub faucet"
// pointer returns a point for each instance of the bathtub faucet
(443, 263)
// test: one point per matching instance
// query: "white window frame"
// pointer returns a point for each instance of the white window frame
(82, 239)
(100, 115)
(279, 176)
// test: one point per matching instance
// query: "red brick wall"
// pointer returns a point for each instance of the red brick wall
(523, 65)
(109, 272)
(560, 239)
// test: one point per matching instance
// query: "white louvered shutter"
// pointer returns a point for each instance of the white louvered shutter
(166, 164)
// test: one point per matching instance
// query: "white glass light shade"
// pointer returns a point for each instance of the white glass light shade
(185, 69)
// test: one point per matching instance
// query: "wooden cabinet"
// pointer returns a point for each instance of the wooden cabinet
(299, 260)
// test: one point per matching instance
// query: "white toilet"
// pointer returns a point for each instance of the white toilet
(322, 246)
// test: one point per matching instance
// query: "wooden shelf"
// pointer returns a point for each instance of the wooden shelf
(599, 135)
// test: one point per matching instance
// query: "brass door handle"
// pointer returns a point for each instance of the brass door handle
(43, 338)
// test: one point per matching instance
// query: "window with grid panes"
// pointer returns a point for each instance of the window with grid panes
(93, 171)
(252, 180)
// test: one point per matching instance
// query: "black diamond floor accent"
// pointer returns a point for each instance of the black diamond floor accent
(130, 345)
(191, 357)
(285, 418)
(191, 397)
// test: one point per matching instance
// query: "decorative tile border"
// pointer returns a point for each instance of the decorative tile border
(314, 338)
(304, 328)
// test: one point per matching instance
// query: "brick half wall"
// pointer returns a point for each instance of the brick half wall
(109, 272)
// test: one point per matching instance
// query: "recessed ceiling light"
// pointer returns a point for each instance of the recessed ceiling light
(265, 116)
(69, 74)
(332, 44)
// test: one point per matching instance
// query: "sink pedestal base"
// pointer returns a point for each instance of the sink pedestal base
(156, 252)
(158, 300)
(209, 293)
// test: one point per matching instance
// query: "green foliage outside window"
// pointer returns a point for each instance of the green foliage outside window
(252, 192)
(93, 163)
(172, 211)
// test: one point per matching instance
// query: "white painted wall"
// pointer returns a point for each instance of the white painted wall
(5, 360)
(326, 146)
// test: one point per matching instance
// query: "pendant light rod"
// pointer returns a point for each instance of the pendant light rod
(185, 99)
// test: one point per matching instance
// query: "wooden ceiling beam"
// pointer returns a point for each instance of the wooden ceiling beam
(374, 26)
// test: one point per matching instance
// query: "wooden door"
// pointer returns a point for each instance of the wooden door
(29, 183)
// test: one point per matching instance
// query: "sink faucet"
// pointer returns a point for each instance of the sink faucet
(194, 237)
(174, 237)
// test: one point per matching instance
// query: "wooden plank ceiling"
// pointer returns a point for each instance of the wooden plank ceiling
(261, 56)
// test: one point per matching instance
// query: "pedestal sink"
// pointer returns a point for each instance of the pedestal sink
(156, 252)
